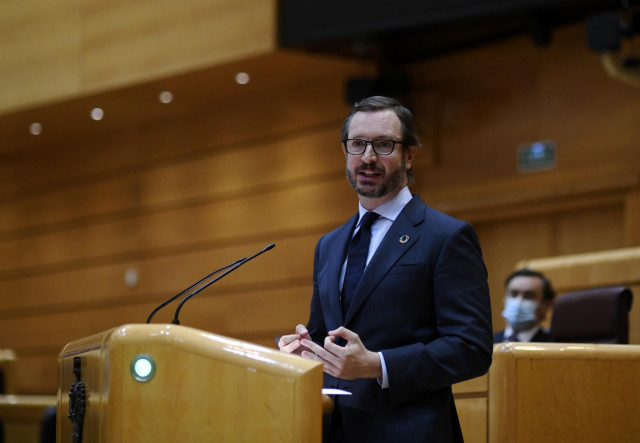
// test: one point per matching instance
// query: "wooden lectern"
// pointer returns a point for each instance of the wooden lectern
(169, 383)
(564, 392)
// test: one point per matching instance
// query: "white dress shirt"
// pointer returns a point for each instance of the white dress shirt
(388, 212)
(523, 336)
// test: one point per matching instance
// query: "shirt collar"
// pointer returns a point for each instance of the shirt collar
(391, 209)
(524, 336)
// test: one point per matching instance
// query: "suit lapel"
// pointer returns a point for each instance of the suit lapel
(402, 235)
(338, 248)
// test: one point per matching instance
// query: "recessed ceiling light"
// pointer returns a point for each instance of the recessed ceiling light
(35, 128)
(97, 114)
(242, 78)
(165, 97)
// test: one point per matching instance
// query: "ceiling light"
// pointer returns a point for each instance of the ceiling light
(35, 128)
(165, 97)
(242, 78)
(97, 114)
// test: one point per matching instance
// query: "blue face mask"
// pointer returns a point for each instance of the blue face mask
(520, 314)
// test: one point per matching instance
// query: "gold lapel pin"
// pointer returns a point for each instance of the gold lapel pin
(404, 239)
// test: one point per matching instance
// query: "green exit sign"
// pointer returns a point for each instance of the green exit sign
(537, 156)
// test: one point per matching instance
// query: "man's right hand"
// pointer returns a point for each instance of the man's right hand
(291, 343)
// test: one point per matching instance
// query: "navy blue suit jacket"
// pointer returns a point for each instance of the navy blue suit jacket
(424, 304)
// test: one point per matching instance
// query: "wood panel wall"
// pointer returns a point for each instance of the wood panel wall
(172, 195)
(70, 48)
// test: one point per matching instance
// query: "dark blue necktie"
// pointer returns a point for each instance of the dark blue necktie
(358, 251)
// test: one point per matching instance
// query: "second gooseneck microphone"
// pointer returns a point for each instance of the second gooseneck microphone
(231, 268)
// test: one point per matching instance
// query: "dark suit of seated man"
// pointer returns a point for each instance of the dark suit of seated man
(528, 297)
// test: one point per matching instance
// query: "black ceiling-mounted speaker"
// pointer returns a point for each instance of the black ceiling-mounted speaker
(358, 88)
(604, 33)
(394, 85)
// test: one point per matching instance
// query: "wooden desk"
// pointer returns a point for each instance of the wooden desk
(471, 398)
(561, 392)
(198, 386)
(21, 416)
(553, 392)
(7, 377)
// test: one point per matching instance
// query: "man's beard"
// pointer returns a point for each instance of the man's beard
(390, 183)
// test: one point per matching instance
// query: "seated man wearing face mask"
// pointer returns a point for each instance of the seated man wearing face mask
(527, 299)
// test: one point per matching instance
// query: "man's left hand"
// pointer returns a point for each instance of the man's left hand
(348, 362)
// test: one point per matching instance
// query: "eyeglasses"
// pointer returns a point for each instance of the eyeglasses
(357, 146)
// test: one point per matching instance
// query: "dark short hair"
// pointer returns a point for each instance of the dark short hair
(380, 103)
(547, 290)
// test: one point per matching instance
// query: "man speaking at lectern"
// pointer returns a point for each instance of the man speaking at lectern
(400, 308)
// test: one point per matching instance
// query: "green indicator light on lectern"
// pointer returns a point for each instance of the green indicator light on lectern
(143, 368)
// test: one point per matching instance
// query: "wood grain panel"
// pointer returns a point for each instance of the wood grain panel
(209, 112)
(580, 117)
(22, 415)
(81, 47)
(269, 311)
(589, 230)
(632, 218)
(7, 371)
(474, 387)
(127, 42)
(496, 98)
(610, 239)
(554, 392)
(160, 276)
(41, 45)
(217, 174)
(585, 417)
(37, 374)
(602, 268)
(255, 215)
(472, 413)
(541, 195)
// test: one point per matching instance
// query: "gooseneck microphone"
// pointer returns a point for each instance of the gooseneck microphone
(232, 267)
(191, 287)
